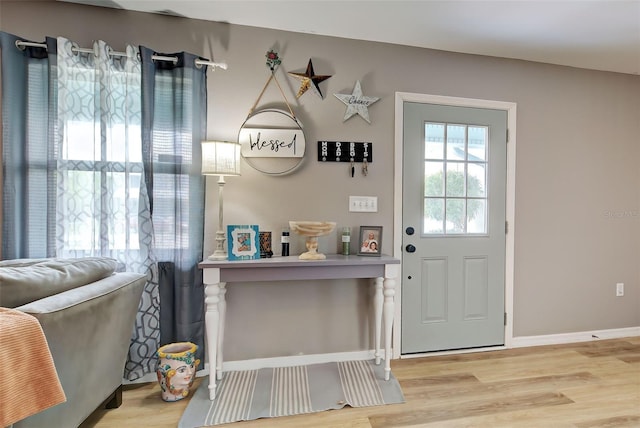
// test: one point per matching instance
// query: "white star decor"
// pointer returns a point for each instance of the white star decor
(356, 103)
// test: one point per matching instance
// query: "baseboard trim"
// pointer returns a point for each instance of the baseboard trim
(582, 336)
(153, 377)
(258, 363)
(295, 360)
(302, 360)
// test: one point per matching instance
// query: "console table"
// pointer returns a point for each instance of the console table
(382, 270)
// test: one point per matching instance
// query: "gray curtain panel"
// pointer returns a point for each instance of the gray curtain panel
(174, 113)
(29, 99)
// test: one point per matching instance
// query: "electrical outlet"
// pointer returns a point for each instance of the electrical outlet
(620, 289)
(363, 204)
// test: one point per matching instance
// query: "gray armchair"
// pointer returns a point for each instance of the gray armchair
(87, 313)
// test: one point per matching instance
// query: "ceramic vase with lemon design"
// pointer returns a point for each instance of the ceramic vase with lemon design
(176, 371)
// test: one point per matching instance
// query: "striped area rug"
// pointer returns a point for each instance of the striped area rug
(284, 391)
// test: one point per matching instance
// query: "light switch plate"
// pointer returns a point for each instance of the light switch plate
(363, 204)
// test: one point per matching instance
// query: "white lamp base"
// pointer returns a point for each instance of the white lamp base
(220, 253)
(218, 256)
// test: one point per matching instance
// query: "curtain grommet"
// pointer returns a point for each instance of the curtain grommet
(75, 49)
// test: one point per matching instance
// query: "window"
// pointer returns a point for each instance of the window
(455, 179)
(100, 162)
(172, 157)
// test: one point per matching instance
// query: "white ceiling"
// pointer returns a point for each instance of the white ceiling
(592, 34)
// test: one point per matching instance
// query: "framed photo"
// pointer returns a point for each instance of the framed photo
(370, 242)
(243, 242)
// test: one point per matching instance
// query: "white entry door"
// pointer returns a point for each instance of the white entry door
(453, 224)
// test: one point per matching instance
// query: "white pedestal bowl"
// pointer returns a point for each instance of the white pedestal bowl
(312, 230)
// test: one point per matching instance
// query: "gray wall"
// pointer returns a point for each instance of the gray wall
(577, 175)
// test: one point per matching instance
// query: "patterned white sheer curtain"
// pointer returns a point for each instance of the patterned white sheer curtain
(102, 204)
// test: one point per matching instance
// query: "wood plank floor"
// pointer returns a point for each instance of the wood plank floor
(583, 385)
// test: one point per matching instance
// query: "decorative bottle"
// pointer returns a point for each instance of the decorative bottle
(346, 241)
(285, 242)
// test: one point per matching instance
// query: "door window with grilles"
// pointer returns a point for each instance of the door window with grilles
(455, 179)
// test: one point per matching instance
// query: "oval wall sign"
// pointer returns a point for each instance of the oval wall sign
(272, 141)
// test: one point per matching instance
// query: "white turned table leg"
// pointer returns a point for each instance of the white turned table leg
(377, 315)
(222, 310)
(387, 314)
(211, 279)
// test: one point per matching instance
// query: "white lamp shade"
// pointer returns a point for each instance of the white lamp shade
(220, 158)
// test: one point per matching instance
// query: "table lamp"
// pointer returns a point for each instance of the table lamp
(221, 158)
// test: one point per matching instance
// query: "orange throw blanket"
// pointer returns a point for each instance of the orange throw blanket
(28, 377)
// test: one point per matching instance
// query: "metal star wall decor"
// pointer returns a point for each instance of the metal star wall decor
(356, 103)
(309, 80)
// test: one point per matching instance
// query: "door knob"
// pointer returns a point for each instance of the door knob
(410, 248)
(410, 230)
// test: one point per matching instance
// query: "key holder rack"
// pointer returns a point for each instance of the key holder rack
(344, 151)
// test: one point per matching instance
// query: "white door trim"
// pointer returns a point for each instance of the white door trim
(510, 108)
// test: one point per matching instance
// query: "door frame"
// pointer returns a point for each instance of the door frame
(510, 108)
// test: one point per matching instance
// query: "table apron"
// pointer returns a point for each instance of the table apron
(301, 273)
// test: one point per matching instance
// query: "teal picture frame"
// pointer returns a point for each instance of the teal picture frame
(243, 242)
